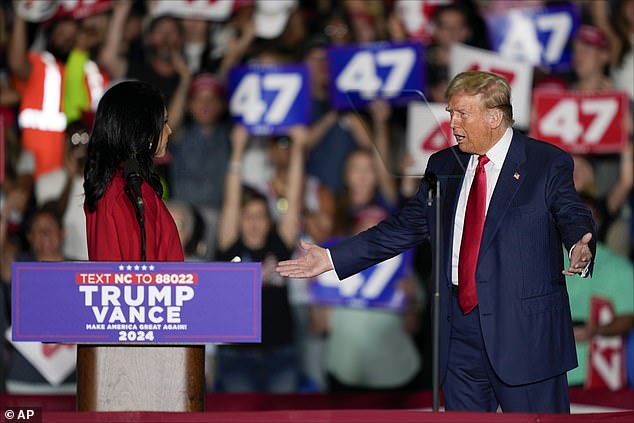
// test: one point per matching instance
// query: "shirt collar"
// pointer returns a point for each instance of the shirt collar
(497, 153)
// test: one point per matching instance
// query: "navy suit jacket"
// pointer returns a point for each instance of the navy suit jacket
(523, 302)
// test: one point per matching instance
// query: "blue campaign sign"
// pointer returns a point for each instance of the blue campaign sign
(107, 302)
(374, 287)
(537, 36)
(269, 100)
(360, 74)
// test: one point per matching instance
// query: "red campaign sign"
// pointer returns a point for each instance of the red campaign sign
(48, 350)
(438, 139)
(508, 74)
(581, 122)
(606, 358)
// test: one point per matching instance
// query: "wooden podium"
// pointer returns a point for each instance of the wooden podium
(140, 378)
(140, 328)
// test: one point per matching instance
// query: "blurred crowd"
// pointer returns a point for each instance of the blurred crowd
(234, 195)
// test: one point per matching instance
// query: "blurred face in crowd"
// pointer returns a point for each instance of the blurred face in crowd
(62, 38)
(360, 177)
(205, 106)
(279, 152)
(588, 60)
(195, 30)
(470, 123)
(363, 28)
(317, 67)
(255, 223)
(92, 30)
(165, 38)
(451, 27)
(337, 30)
(162, 144)
(46, 237)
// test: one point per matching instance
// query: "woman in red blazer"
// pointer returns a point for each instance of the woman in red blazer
(130, 127)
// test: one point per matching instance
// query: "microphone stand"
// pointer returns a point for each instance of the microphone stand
(436, 296)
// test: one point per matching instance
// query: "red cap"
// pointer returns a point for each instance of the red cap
(593, 36)
(206, 81)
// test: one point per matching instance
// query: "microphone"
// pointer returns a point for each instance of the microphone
(134, 180)
(431, 179)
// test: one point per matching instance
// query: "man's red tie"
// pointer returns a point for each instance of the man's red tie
(471, 238)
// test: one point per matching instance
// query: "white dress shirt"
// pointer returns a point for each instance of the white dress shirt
(496, 155)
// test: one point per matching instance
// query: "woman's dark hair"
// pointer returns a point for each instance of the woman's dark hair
(128, 125)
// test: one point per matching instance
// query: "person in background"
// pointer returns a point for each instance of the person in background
(247, 233)
(41, 118)
(65, 187)
(85, 82)
(200, 151)
(608, 178)
(45, 236)
(366, 177)
(331, 135)
(613, 280)
(590, 59)
(357, 339)
(318, 203)
(451, 22)
(618, 26)
(196, 44)
(607, 206)
(366, 21)
(191, 229)
(163, 42)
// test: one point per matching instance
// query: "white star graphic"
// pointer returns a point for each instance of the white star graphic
(128, 267)
(136, 267)
(144, 267)
(121, 267)
(151, 267)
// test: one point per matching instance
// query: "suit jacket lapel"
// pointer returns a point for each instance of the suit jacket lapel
(511, 177)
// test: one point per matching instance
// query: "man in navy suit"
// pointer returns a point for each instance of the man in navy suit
(508, 205)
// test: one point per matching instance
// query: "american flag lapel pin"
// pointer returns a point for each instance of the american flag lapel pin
(516, 176)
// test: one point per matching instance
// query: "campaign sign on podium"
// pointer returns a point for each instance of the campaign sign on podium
(136, 303)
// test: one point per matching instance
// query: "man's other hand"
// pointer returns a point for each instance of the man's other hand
(580, 256)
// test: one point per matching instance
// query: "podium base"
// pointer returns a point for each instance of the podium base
(140, 378)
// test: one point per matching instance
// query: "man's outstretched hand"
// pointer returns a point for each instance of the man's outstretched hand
(580, 256)
(311, 264)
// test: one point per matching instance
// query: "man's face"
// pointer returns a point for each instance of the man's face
(451, 28)
(62, 39)
(470, 123)
(165, 38)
